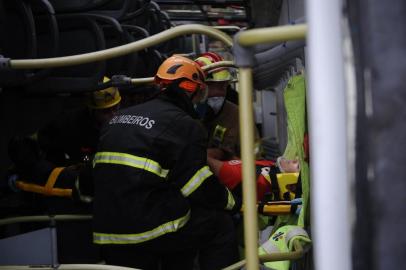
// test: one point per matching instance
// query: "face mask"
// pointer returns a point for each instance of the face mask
(216, 103)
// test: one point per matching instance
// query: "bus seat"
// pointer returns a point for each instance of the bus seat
(33, 248)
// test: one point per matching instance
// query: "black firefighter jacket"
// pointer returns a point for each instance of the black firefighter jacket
(150, 169)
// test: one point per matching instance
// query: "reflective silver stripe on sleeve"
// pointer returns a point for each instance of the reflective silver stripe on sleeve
(130, 160)
(270, 247)
(196, 181)
(230, 200)
(169, 227)
(295, 232)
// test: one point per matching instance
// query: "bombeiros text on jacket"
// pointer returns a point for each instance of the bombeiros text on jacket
(133, 120)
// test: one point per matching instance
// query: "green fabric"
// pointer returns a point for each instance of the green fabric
(295, 103)
(279, 241)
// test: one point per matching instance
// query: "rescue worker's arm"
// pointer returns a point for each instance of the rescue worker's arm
(60, 136)
(215, 153)
(215, 165)
(193, 177)
(33, 172)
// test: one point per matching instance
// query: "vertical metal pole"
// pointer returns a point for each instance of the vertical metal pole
(195, 45)
(328, 136)
(248, 169)
(54, 243)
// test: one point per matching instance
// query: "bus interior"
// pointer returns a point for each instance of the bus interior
(321, 82)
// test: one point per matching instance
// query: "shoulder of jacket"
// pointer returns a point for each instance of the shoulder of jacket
(187, 127)
(231, 106)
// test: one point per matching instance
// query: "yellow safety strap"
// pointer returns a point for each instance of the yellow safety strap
(49, 189)
(197, 179)
(285, 179)
(230, 200)
(168, 227)
(274, 209)
(277, 209)
(130, 160)
(218, 134)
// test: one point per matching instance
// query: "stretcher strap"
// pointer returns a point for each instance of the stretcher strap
(48, 189)
(52, 179)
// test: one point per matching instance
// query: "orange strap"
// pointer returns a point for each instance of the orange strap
(30, 187)
(49, 189)
(60, 192)
(52, 179)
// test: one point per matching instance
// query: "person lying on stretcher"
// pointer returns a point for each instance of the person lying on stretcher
(230, 174)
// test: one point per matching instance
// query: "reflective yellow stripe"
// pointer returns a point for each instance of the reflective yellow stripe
(130, 160)
(171, 226)
(230, 200)
(196, 181)
(218, 134)
(34, 136)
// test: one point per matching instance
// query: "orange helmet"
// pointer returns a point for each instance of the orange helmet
(178, 67)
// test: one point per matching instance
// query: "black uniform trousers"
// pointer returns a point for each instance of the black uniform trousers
(210, 234)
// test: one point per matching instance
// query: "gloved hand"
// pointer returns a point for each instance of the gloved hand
(298, 202)
(83, 189)
(86, 184)
(36, 173)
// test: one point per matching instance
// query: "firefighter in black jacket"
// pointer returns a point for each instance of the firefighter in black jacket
(156, 200)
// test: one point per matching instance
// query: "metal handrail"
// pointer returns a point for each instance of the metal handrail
(121, 50)
(219, 64)
(138, 81)
(272, 34)
(297, 253)
(248, 167)
(67, 267)
(92, 267)
(228, 27)
(13, 220)
(245, 39)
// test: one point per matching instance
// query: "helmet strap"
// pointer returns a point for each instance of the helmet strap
(189, 86)
(193, 94)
